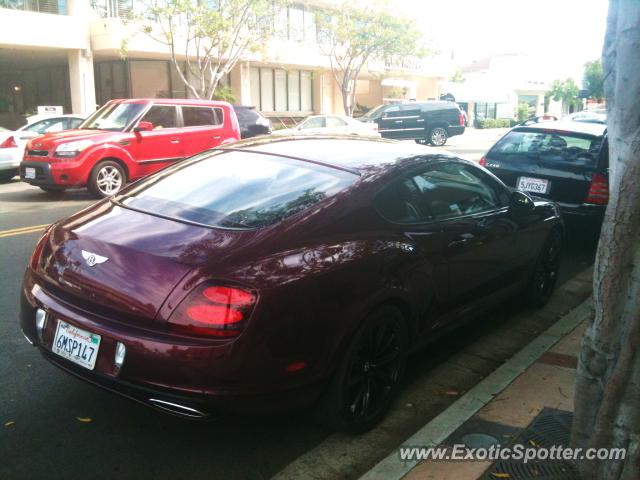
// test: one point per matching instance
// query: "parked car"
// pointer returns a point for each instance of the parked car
(567, 162)
(12, 143)
(126, 140)
(425, 122)
(332, 125)
(283, 272)
(547, 117)
(252, 122)
(589, 116)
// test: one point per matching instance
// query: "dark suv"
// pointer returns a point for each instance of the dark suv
(252, 122)
(425, 122)
(567, 162)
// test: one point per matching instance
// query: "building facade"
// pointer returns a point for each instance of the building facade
(68, 53)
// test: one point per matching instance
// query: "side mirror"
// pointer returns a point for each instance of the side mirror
(521, 203)
(143, 127)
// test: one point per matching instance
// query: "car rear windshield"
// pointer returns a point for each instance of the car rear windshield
(241, 190)
(549, 147)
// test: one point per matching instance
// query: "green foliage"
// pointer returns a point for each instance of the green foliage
(457, 77)
(494, 123)
(593, 79)
(215, 33)
(523, 112)
(566, 92)
(224, 93)
(351, 36)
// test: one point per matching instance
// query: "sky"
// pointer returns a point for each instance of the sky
(563, 33)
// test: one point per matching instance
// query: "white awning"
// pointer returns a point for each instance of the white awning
(477, 91)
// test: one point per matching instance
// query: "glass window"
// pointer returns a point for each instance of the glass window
(162, 116)
(310, 30)
(306, 92)
(281, 24)
(393, 111)
(549, 147)
(47, 125)
(401, 202)
(254, 74)
(149, 79)
(237, 189)
(335, 122)
(266, 90)
(315, 122)
(281, 90)
(113, 116)
(296, 23)
(452, 189)
(178, 88)
(199, 116)
(294, 90)
(72, 123)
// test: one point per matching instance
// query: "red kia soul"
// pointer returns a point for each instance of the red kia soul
(126, 140)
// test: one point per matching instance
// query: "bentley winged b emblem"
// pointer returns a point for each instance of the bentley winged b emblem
(93, 258)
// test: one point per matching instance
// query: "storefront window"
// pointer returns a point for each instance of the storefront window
(294, 90)
(149, 79)
(266, 89)
(281, 90)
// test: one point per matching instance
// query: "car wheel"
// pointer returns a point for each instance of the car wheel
(7, 175)
(106, 179)
(438, 136)
(545, 274)
(368, 378)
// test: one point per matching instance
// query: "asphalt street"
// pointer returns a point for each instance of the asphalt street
(55, 426)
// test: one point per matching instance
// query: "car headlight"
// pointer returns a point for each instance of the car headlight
(71, 149)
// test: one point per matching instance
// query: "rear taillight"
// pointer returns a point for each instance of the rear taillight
(213, 311)
(37, 252)
(9, 142)
(461, 119)
(598, 190)
(483, 161)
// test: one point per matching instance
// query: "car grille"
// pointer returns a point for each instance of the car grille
(37, 153)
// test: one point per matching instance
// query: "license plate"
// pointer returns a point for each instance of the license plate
(29, 172)
(533, 185)
(75, 344)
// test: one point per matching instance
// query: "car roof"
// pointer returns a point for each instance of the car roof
(362, 155)
(596, 129)
(172, 101)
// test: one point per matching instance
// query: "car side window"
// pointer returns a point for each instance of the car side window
(401, 202)
(454, 189)
(162, 116)
(335, 122)
(392, 111)
(411, 109)
(316, 122)
(73, 123)
(200, 116)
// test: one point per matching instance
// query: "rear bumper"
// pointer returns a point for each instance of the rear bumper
(175, 376)
(456, 130)
(10, 158)
(582, 210)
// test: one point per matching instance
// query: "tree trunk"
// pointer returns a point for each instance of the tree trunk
(607, 399)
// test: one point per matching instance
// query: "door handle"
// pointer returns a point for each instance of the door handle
(174, 140)
(216, 137)
(462, 240)
(398, 121)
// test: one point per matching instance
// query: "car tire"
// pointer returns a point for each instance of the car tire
(106, 179)
(7, 175)
(361, 391)
(545, 272)
(438, 136)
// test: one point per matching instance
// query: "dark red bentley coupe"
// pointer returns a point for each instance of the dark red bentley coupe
(283, 273)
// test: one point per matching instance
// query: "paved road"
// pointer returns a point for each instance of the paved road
(46, 440)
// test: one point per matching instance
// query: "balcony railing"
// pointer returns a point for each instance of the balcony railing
(58, 7)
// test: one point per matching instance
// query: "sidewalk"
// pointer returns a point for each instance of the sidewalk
(501, 414)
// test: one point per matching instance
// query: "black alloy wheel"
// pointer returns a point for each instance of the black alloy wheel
(545, 274)
(368, 378)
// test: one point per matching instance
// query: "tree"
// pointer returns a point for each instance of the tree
(210, 37)
(457, 77)
(566, 92)
(607, 410)
(352, 36)
(593, 79)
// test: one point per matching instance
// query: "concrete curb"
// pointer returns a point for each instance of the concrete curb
(437, 430)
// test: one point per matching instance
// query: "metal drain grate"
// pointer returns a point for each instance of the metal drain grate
(550, 428)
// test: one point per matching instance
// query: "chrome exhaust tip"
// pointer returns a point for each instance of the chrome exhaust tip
(177, 409)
